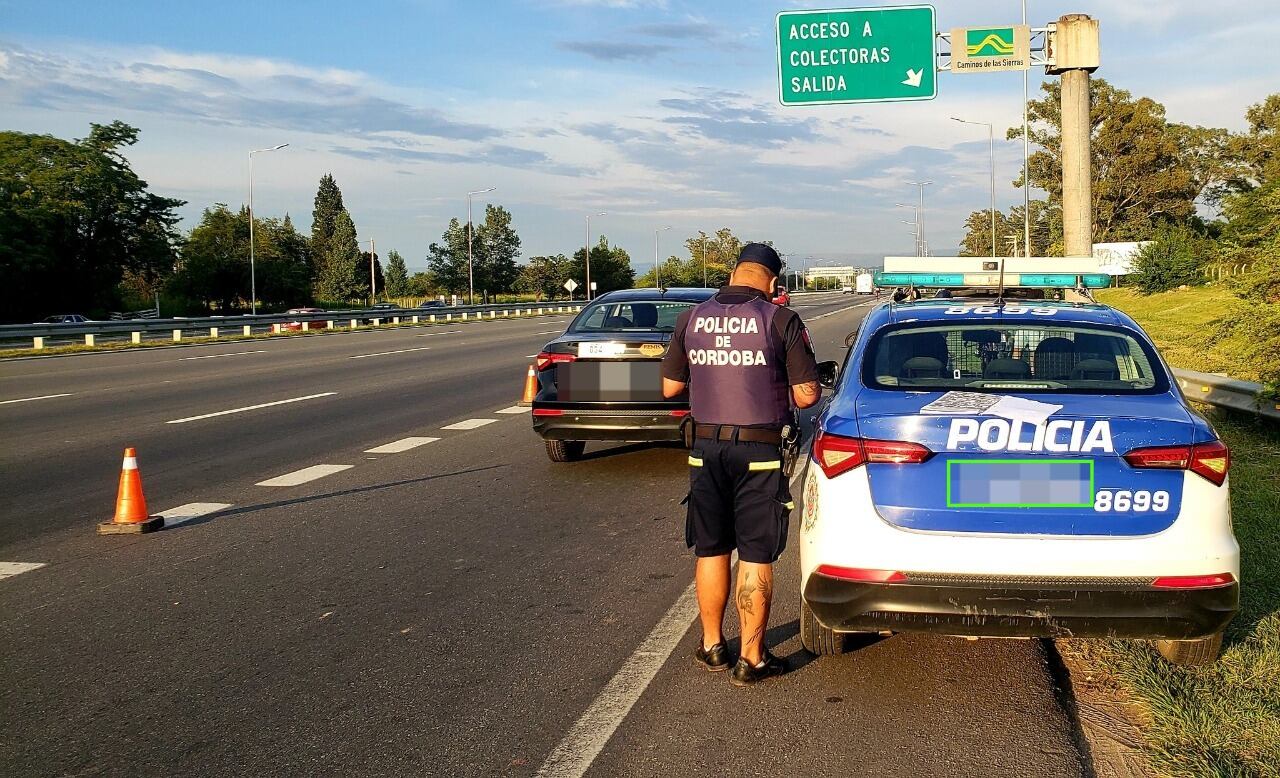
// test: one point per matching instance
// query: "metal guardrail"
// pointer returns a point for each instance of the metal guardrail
(1226, 392)
(214, 326)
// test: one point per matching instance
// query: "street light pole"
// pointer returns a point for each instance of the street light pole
(586, 257)
(471, 278)
(656, 283)
(253, 273)
(915, 223)
(1026, 152)
(704, 261)
(991, 151)
(924, 245)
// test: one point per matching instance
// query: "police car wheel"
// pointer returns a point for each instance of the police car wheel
(1191, 653)
(565, 450)
(816, 638)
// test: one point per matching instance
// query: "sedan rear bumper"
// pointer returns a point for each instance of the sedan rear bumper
(1021, 609)
(628, 426)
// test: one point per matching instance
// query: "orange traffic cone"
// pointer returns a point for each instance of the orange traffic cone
(530, 387)
(131, 507)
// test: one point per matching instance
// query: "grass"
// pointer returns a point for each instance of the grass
(1222, 720)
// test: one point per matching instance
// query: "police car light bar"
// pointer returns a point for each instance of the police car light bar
(1023, 280)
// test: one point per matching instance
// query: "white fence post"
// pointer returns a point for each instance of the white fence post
(329, 324)
(135, 337)
(37, 343)
(88, 339)
(213, 332)
(177, 335)
(415, 318)
(431, 318)
(395, 319)
(248, 330)
(355, 324)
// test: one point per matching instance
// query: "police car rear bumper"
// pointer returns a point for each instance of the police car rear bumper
(1020, 608)
(615, 425)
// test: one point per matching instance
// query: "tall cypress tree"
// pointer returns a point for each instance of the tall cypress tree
(323, 218)
(338, 279)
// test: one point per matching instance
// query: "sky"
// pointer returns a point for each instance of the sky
(657, 112)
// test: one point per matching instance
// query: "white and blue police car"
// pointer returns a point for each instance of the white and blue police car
(1014, 468)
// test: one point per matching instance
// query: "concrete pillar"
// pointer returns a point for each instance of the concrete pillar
(431, 318)
(88, 339)
(415, 318)
(37, 343)
(448, 317)
(377, 322)
(213, 332)
(355, 324)
(540, 311)
(177, 336)
(275, 328)
(329, 324)
(306, 325)
(395, 319)
(248, 330)
(493, 314)
(135, 337)
(1075, 52)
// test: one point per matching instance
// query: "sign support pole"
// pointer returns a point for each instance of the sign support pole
(1075, 54)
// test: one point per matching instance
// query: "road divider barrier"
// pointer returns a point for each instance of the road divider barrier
(131, 517)
(1226, 392)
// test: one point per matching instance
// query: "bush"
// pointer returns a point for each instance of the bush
(1176, 256)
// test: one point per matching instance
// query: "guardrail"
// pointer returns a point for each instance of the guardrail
(1226, 392)
(224, 326)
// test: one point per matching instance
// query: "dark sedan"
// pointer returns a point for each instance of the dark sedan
(601, 379)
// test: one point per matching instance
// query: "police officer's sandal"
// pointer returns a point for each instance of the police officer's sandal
(715, 659)
(746, 674)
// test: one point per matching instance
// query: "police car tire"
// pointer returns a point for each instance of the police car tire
(816, 638)
(1191, 653)
(565, 450)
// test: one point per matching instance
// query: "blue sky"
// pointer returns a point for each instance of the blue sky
(660, 112)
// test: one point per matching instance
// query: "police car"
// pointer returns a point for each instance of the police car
(1014, 469)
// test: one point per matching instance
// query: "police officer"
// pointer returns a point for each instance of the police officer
(745, 362)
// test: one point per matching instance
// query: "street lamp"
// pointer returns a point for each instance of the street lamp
(471, 279)
(253, 274)
(924, 246)
(656, 284)
(587, 255)
(704, 261)
(991, 151)
(915, 215)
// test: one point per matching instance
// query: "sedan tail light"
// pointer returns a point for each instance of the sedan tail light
(861, 574)
(1193, 581)
(546, 359)
(1209, 460)
(837, 454)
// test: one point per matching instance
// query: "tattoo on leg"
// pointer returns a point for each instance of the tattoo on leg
(745, 591)
(766, 588)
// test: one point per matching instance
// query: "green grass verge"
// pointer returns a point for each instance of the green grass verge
(1222, 720)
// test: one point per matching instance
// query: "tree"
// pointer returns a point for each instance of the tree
(340, 279)
(1253, 157)
(447, 260)
(324, 216)
(397, 275)
(74, 220)
(610, 267)
(721, 252)
(496, 247)
(1176, 256)
(1145, 170)
(544, 276)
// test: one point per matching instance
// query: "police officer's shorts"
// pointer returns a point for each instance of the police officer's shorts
(738, 498)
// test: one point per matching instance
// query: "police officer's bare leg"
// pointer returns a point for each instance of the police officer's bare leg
(712, 575)
(755, 595)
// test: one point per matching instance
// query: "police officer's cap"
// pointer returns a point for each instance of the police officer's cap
(761, 254)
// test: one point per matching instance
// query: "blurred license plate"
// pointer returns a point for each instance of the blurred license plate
(601, 349)
(609, 381)
(1020, 483)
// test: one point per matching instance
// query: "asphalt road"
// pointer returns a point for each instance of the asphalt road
(463, 607)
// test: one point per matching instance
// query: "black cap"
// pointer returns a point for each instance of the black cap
(761, 254)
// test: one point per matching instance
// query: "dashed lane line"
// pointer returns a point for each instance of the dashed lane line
(10, 569)
(304, 475)
(469, 424)
(514, 409)
(840, 310)
(41, 397)
(429, 334)
(192, 510)
(548, 332)
(250, 408)
(400, 446)
(217, 356)
(385, 353)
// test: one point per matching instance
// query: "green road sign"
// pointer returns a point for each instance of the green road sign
(856, 55)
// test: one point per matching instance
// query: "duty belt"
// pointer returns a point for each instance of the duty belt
(729, 432)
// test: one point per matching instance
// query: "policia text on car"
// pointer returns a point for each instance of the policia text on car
(745, 362)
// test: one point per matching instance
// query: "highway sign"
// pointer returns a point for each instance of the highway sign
(990, 49)
(570, 285)
(856, 55)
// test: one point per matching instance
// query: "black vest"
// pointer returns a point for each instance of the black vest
(737, 374)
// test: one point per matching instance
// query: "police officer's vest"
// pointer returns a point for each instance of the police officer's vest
(737, 375)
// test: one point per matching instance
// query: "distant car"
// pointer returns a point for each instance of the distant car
(846, 289)
(781, 296)
(601, 379)
(65, 318)
(865, 283)
(296, 326)
(432, 304)
(384, 306)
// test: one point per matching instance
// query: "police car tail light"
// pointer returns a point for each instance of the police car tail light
(837, 454)
(895, 452)
(546, 359)
(861, 574)
(1193, 581)
(1209, 460)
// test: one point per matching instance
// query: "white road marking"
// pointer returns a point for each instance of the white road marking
(530, 356)
(385, 353)
(404, 444)
(232, 354)
(840, 310)
(469, 424)
(41, 397)
(514, 409)
(548, 332)
(192, 510)
(304, 475)
(429, 334)
(9, 569)
(574, 754)
(250, 408)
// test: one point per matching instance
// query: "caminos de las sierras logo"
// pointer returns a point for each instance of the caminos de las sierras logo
(992, 42)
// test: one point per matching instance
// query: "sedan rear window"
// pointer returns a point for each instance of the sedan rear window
(630, 316)
(1029, 357)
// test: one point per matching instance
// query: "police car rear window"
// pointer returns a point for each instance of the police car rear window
(1010, 356)
(630, 316)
